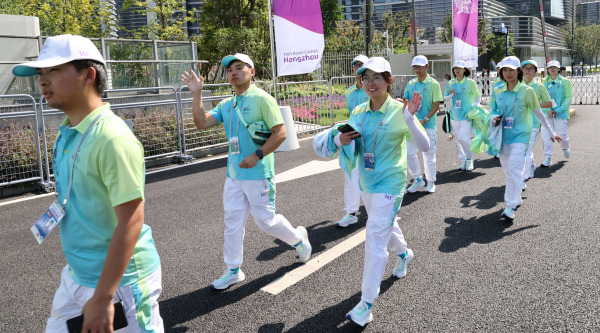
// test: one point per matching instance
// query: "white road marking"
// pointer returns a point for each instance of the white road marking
(307, 169)
(292, 277)
(25, 199)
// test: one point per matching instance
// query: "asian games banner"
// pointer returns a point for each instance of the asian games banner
(465, 31)
(298, 36)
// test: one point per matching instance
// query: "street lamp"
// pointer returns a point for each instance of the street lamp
(502, 31)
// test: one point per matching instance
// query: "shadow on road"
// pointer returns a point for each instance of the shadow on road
(487, 199)
(331, 319)
(190, 170)
(184, 308)
(456, 176)
(462, 232)
(541, 172)
(319, 235)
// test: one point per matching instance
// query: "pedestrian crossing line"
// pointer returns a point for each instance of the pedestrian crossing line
(307, 169)
(294, 276)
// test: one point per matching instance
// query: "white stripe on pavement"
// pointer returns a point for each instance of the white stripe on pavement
(307, 169)
(25, 199)
(292, 277)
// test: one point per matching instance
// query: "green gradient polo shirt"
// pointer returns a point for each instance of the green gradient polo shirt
(518, 104)
(543, 97)
(561, 90)
(355, 97)
(465, 90)
(430, 91)
(109, 171)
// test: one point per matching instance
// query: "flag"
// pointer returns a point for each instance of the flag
(299, 39)
(465, 31)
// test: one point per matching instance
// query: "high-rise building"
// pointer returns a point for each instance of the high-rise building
(588, 12)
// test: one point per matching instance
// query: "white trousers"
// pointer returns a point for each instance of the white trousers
(461, 130)
(561, 127)
(351, 192)
(139, 302)
(382, 232)
(242, 197)
(512, 158)
(529, 155)
(428, 158)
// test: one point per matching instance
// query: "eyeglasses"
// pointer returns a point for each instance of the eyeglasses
(374, 80)
(528, 69)
(357, 65)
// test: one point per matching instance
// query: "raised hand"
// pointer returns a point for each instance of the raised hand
(193, 82)
(415, 103)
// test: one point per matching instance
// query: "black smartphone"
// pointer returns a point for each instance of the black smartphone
(498, 120)
(74, 325)
(347, 128)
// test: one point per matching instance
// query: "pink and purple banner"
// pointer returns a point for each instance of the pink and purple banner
(299, 37)
(465, 30)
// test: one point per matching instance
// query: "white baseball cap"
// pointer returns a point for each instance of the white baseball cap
(60, 50)
(419, 61)
(377, 65)
(360, 58)
(511, 62)
(238, 56)
(554, 63)
(460, 64)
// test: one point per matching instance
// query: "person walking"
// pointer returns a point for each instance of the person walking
(431, 96)
(354, 96)
(99, 172)
(250, 184)
(530, 68)
(561, 93)
(512, 105)
(463, 93)
(377, 145)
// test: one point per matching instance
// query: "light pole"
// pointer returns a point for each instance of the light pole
(415, 42)
(573, 38)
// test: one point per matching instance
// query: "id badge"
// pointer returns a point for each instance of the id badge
(508, 122)
(234, 145)
(554, 103)
(369, 162)
(458, 104)
(44, 225)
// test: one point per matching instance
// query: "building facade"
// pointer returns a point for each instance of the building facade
(588, 12)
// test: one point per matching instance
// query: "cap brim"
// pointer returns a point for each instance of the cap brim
(509, 66)
(31, 68)
(228, 59)
(373, 68)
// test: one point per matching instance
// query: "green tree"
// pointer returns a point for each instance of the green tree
(496, 45)
(168, 18)
(446, 35)
(587, 39)
(398, 26)
(332, 12)
(347, 38)
(89, 18)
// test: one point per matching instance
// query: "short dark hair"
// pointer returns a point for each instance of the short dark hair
(519, 75)
(467, 72)
(100, 84)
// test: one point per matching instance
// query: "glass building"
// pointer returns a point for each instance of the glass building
(588, 12)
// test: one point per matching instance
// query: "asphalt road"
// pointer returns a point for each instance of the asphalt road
(471, 272)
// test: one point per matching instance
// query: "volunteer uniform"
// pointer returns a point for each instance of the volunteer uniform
(543, 97)
(353, 97)
(430, 92)
(108, 171)
(561, 91)
(516, 108)
(382, 182)
(249, 190)
(466, 94)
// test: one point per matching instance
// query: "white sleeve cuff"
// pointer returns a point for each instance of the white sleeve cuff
(337, 141)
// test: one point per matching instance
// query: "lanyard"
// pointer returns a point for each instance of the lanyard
(362, 137)
(462, 90)
(513, 105)
(553, 88)
(234, 104)
(64, 204)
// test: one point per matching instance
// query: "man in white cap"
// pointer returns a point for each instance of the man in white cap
(354, 96)
(431, 96)
(561, 92)
(99, 172)
(250, 185)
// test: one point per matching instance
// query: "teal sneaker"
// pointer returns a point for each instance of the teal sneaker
(402, 262)
(416, 185)
(304, 248)
(361, 314)
(229, 278)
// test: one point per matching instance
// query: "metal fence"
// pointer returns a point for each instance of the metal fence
(312, 107)
(20, 151)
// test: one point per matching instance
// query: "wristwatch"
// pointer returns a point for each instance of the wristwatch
(426, 118)
(259, 153)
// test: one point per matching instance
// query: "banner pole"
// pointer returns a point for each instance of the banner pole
(273, 63)
(546, 59)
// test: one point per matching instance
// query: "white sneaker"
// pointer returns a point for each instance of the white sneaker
(400, 268)
(508, 214)
(228, 278)
(347, 220)
(361, 314)
(567, 153)
(532, 171)
(416, 185)
(547, 162)
(463, 166)
(469, 165)
(304, 249)
(430, 187)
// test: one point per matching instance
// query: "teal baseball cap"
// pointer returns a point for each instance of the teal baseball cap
(238, 56)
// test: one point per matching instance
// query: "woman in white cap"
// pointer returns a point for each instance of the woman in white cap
(561, 92)
(464, 95)
(354, 96)
(530, 68)
(512, 105)
(378, 145)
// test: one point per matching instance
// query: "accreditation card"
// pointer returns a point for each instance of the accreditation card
(47, 221)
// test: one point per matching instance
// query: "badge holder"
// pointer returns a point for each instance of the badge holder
(50, 219)
(369, 162)
(508, 122)
(458, 104)
(234, 145)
